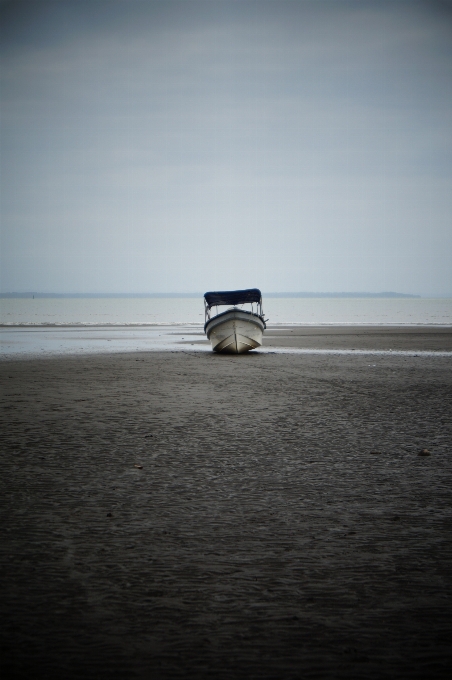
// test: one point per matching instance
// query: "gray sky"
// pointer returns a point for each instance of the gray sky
(187, 146)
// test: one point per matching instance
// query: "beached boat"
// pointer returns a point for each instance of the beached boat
(235, 330)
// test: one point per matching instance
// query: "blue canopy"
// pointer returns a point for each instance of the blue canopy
(232, 297)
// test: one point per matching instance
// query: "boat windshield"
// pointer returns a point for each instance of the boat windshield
(234, 298)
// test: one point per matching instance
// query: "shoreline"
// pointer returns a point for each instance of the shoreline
(282, 324)
(34, 341)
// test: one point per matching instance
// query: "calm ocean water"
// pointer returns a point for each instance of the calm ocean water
(190, 311)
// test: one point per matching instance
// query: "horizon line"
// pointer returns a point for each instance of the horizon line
(300, 294)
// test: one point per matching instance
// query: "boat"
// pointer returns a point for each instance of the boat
(235, 330)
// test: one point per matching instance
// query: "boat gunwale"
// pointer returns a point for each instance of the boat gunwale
(254, 318)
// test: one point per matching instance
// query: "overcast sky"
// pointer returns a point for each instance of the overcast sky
(189, 146)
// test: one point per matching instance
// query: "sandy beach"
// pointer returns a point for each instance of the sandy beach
(183, 514)
(380, 338)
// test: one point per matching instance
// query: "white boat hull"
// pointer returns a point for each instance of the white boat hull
(235, 331)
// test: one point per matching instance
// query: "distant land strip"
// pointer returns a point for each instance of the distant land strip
(388, 294)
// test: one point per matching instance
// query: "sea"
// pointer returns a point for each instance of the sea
(126, 311)
(46, 326)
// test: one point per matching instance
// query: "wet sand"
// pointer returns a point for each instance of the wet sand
(189, 515)
(383, 338)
